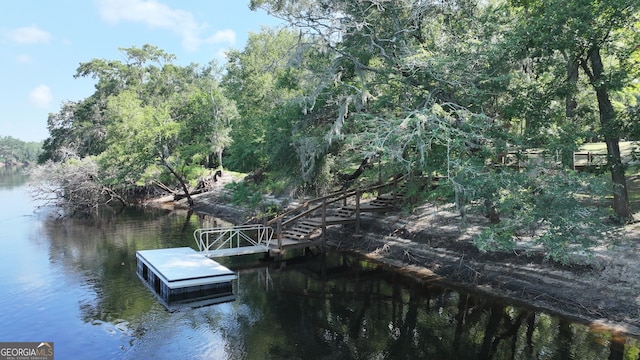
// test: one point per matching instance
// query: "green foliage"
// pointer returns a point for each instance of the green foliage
(425, 87)
(208, 118)
(148, 120)
(135, 138)
(245, 194)
(281, 154)
(15, 151)
(251, 196)
(265, 198)
(630, 119)
(564, 212)
(265, 80)
(80, 128)
(445, 88)
(147, 112)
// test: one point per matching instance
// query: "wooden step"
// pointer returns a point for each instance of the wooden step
(344, 212)
(372, 208)
(332, 220)
(292, 235)
(297, 232)
(388, 197)
(296, 237)
(306, 226)
(288, 241)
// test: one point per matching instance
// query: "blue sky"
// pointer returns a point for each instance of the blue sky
(43, 42)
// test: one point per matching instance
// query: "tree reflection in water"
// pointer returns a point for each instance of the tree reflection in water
(341, 307)
(336, 306)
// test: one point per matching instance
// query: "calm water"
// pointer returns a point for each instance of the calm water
(74, 283)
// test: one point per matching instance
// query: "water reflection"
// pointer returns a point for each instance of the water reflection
(343, 307)
(74, 283)
(12, 176)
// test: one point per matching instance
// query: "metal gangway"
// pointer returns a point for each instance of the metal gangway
(234, 240)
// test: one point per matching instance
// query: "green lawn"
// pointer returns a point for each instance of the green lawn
(633, 172)
(601, 148)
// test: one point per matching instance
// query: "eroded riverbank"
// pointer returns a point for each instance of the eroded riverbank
(434, 243)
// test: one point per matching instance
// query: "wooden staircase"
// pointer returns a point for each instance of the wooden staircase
(302, 230)
(304, 226)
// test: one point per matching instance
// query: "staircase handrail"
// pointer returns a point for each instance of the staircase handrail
(312, 209)
(309, 202)
(335, 196)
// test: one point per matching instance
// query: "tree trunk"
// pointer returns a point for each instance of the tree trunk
(571, 105)
(611, 135)
(180, 180)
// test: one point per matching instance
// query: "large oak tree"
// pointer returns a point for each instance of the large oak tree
(585, 32)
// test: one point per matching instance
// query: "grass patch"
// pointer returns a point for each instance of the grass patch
(626, 149)
(633, 190)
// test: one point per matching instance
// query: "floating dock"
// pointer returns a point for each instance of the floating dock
(183, 275)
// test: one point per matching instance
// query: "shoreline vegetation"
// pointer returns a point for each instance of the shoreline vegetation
(431, 240)
(15, 152)
(433, 243)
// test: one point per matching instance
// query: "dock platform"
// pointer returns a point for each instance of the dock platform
(183, 275)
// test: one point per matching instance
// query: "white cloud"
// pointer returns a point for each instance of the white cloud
(221, 54)
(158, 15)
(41, 96)
(222, 36)
(28, 35)
(24, 59)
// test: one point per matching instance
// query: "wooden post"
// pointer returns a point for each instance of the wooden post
(279, 233)
(358, 211)
(379, 169)
(324, 223)
(395, 189)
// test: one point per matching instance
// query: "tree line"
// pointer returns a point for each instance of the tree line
(17, 152)
(424, 87)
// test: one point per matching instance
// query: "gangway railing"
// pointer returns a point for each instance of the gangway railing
(233, 240)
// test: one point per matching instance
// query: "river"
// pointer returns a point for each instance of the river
(74, 283)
